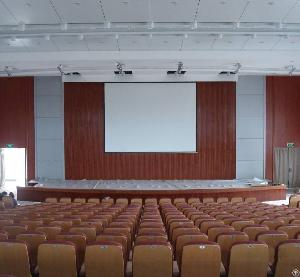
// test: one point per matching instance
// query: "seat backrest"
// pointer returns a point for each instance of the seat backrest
(150, 239)
(250, 199)
(79, 200)
(206, 200)
(14, 258)
(182, 231)
(51, 200)
(14, 230)
(238, 225)
(33, 240)
(152, 260)
(253, 230)
(65, 200)
(193, 200)
(187, 239)
(151, 201)
(122, 201)
(201, 260)
(57, 257)
(226, 240)
(272, 239)
(89, 232)
(222, 200)
(248, 259)
(290, 229)
(64, 224)
(236, 200)
(294, 200)
(50, 231)
(214, 231)
(205, 225)
(3, 235)
(104, 257)
(287, 262)
(93, 200)
(273, 224)
(115, 238)
(136, 201)
(79, 240)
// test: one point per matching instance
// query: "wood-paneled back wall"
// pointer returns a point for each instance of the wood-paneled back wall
(17, 117)
(282, 116)
(84, 139)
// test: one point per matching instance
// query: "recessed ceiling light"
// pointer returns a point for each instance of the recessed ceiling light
(220, 36)
(116, 36)
(47, 37)
(80, 37)
(28, 5)
(125, 3)
(271, 3)
(76, 3)
(186, 36)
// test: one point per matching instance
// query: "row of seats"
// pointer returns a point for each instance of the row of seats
(190, 238)
(149, 200)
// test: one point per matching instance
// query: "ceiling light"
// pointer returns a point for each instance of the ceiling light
(238, 25)
(186, 36)
(80, 37)
(150, 35)
(47, 37)
(254, 36)
(220, 36)
(108, 24)
(76, 3)
(13, 38)
(117, 36)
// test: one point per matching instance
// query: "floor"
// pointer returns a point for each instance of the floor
(152, 184)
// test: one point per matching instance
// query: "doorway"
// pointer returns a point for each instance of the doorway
(13, 169)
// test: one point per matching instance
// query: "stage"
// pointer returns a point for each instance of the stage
(152, 188)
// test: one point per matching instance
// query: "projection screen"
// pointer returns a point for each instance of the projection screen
(150, 117)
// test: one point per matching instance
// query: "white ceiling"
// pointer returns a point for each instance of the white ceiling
(79, 29)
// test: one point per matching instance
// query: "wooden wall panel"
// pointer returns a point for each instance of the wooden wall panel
(282, 115)
(17, 117)
(84, 139)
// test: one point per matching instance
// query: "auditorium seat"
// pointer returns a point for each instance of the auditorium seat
(50, 231)
(89, 232)
(14, 230)
(272, 239)
(214, 231)
(33, 241)
(201, 260)
(205, 225)
(104, 259)
(122, 201)
(294, 201)
(222, 200)
(150, 239)
(152, 201)
(93, 200)
(65, 200)
(290, 229)
(64, 224)
(226, 240)
(248, 259)
(79, 240)
(253, 230)
(3, 235)
(57, 257)
(32, 224)
(51, 200)
(287, 261)
(250, 199)
(152, 260)
(79, 200)
(14, 258)
(136, 201)
(239, 224)
(236, 200)
(185, 239)
(207, 200)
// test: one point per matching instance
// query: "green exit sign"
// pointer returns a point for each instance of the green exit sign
(9, 145)
(290, 145)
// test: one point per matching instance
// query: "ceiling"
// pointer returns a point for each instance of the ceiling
(263, 36)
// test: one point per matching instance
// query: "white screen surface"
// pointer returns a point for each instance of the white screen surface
(150, 117)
